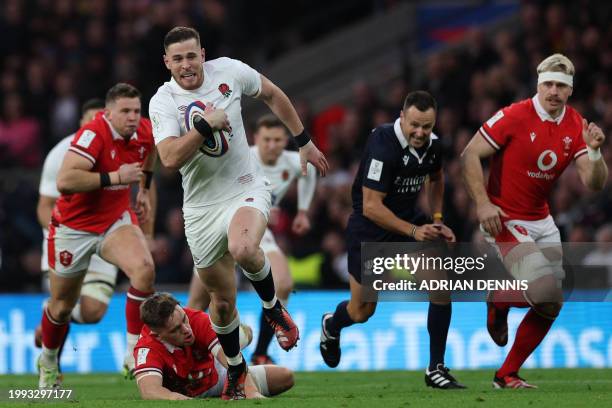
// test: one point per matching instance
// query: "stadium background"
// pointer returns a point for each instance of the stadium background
(347, 65)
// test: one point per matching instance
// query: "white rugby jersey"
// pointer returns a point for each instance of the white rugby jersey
(210, 178)
(283, 172)
(53, 162)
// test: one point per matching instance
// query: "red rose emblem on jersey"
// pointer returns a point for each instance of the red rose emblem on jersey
(225, 90)
(65, 258)
(285, 175)
(521, 230)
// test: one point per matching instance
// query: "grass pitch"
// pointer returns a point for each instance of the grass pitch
(558, 388)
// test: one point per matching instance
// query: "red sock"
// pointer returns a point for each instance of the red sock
(505, 299)
(132, 309)
(53, 333)
(530, 333)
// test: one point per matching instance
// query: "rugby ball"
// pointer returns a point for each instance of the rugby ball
(214, 146)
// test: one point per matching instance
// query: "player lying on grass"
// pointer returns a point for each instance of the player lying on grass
(178, 356)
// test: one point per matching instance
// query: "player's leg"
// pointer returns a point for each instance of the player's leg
(198, 298)
(55, 321)
(244, 234)
(438, 322)
(96, 292)
(540, 266)
(220, 283)
(272, 379)
(545, 297)
(347, 313)
(126, 247)
(283, 284)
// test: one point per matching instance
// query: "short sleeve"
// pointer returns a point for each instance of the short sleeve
(248, 78)
(88, 143)
(498, 129)
(203, 331)
(147, 359)
(580, 146)
(164, 120)
(379, 165)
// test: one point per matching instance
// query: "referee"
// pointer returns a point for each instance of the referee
(398, 159)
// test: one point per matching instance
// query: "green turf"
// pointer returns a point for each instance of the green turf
(590, 388)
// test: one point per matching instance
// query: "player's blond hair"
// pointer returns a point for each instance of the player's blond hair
(557, 63)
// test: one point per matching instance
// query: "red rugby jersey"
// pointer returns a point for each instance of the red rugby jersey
(95, 211)
(533, 150)
(188, 370)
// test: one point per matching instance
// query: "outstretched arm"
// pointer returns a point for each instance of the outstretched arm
(279, 103)
(150, 386)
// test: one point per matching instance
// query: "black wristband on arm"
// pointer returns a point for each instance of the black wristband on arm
(302, 139)
(202, 127)
(148, 178)
(105, 180)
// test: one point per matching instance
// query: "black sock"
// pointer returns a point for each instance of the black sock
(264, 287)
(230, 342)
(438, 321)
(339, 320)
(265, 336)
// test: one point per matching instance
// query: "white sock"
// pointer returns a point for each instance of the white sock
(270, 304)
(132, 339)
(76, 314)
(49, 356)
(234, 361)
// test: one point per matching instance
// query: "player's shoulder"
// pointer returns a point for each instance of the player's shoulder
(383, 139)
(519, 110)
(162, 96)
(221, 62)
(62, 146)
(574, 118)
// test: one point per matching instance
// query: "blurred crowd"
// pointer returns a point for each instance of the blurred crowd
(57, 53)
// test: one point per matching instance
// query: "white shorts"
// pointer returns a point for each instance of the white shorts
(258, 374)
(206, 227)
(519, 234)
(268, 242)
(70, 251)
(99, 281)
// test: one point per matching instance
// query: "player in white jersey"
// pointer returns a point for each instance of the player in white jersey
(197, 125)
(281, 167)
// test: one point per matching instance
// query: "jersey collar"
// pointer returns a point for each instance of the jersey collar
(545, 116)
(116, 135)
(400, 135)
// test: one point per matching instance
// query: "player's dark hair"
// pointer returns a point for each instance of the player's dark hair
(121, 90)
(268, 121)
(421, 100)
(93, 103)
(180, 34)
(157, 309)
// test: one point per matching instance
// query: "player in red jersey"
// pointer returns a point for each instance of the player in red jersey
(93, 215)
(178, 356)
(530, 143)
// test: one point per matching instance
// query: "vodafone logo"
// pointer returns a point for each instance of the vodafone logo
(547, 160)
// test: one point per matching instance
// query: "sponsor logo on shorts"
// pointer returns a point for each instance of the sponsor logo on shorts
(65, 258)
